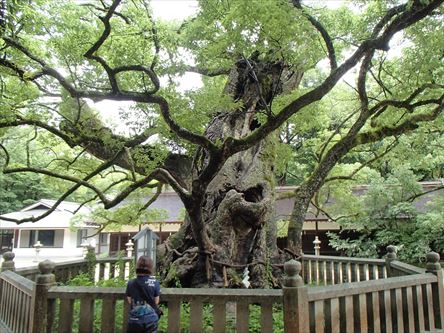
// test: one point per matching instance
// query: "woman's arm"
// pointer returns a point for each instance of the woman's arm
(128, 299)
(156, 300)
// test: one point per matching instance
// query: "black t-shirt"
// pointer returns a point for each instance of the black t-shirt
(149, 284)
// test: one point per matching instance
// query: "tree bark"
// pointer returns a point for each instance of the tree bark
(236, 207)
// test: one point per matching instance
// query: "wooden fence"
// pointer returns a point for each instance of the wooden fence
(15, 302)
(328, 270)
(103, 268)
(320, 294)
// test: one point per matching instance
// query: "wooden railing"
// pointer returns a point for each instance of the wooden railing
(239, 299)
(108, 301)
(104, 269)
(328, 270)
(409, 299)
(108, 268)
(401, 304)
(15, 302)
(90, 300)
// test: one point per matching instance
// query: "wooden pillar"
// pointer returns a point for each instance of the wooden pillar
(8, 262)
(7, 265)
(390, 256)
(434, 266)
(295, 299)
(40, 321)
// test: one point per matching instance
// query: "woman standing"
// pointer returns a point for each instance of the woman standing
(143, 295)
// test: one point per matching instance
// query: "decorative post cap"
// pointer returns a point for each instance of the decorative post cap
(292, 269)
(8, 256)
(46, 266)
(433, 264)
(391, 252)
(8, 261)
(316, 241)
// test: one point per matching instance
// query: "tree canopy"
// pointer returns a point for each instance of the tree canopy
(267, 66)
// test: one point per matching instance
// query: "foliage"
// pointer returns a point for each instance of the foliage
(386, 215)
(21, 190)
(18, 190)
(282, 228)
(82, 279)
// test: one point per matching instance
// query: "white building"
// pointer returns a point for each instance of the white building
(59, 238)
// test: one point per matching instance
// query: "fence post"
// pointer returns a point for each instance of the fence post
(391, 256)
(40, 321)
(433, 266)
(8, 262)
(295, 299)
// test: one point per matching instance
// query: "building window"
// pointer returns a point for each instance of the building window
(48, 238)
(6, 238)
(103, 238)
(82, 235)
(103, 243)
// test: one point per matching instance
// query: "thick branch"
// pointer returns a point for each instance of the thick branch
(121, 96)
(407, 104)
(404, 20)
(161, 174)
(206, 71)
(325, 35)
(406, 126)
(70, 191)
(416, 196)
(53, 130)
(90, 54)
(368, 162)
(52, 174)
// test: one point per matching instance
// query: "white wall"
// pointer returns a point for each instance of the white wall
(65, 239)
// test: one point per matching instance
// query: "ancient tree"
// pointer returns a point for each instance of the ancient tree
(215, 147)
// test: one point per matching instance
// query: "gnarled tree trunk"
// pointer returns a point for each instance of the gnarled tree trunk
(237, 206)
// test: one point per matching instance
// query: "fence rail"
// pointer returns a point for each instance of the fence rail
(108, 301)
(104, 268)
(328, 270)
(90, 300)
(15, 301)
(398, 304)
(351, 295)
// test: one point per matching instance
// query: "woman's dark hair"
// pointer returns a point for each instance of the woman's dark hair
(144, 265)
